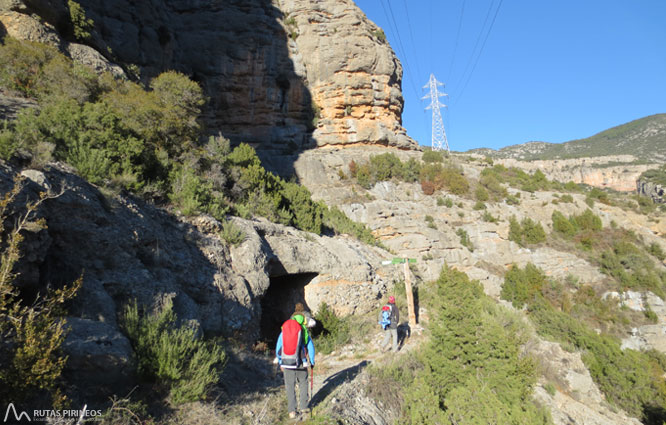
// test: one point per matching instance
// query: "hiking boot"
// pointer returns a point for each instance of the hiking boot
(293, 415)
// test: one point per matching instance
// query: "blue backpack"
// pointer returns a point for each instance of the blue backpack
(386, 317)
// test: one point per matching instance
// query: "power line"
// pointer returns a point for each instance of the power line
(476, 44)
(402, 49)
(411, 37)
(455, 49)
(480, 52)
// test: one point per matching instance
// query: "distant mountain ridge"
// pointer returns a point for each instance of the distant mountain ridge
(644, 138)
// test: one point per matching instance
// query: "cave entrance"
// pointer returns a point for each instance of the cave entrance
(279, 301)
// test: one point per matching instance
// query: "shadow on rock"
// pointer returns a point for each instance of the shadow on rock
(335, 380)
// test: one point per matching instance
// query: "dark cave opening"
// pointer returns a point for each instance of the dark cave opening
(279, 301)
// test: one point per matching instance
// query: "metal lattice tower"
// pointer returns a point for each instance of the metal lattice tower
(439, 141)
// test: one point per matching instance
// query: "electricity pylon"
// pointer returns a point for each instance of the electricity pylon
(439, 141)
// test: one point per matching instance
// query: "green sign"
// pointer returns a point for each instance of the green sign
(400, 261)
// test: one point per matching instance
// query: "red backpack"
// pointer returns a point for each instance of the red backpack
(292, 344)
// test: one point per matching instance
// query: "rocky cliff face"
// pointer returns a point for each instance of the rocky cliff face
(283, 75)
(652, 190)
(396, 212)
(352, 73)
(127, 250)
(610, 172)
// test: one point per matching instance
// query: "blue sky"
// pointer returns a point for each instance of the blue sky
(549, 71)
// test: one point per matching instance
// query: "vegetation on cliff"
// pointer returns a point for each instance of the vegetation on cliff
(472, 369)
(122, 135)
(655, 176)
(632, 380)
(31, 329)
(643, 138)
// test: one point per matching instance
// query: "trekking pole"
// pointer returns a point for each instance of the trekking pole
(311, 388)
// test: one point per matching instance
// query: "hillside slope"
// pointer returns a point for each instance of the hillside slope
(644, 138)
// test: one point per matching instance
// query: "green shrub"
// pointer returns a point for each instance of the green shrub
(336, 331)
(655, 249)
(512, 200)
(337, 221)
(522, 286)
(22, 63)
(472, 359)
(81, 24)
(464, 239)
(516, 177)
(481, 194)
(430, 156)
(385, 167)
(170, 355)
(586, 221)
(38, 70)
(599, 195)
(515, 232)
(307, 215)
(630, 379)
(444, 177)
(532, 231)
(232, 234)
(632, 268)
(656, 175)
(562, 225)
(379, 34)
(31, 360)
(493, 185)
(411, 170)
(188, 192)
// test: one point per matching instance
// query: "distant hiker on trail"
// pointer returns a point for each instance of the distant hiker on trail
(295, 351)
(389, 317)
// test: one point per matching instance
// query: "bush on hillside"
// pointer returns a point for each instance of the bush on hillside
(31, 360)
(443, 177)
(522, 286)
(430, 156)
(472, 358)
(172, 356)
(632, 268)
(527, 232)
(656, 176)
(121, 134)
(576, 224)
(335, 332)
(563, 225)
(630, 379)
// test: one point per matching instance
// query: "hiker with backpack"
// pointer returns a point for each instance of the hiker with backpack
(389, 317)
(295, 352)
(299, 309)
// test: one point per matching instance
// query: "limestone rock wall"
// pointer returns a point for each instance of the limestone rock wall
(598, 172)
(284, 74)
(656, 192)
(352, 73)
(128, 250)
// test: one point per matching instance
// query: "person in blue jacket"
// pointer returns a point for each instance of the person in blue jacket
(298, 373)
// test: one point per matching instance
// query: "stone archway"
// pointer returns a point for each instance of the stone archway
(278, 302)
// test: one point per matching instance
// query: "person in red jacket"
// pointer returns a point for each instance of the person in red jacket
(390, 328)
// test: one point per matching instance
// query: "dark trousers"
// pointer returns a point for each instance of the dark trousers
(291, 377)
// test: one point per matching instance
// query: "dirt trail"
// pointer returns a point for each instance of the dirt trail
(347, 362)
